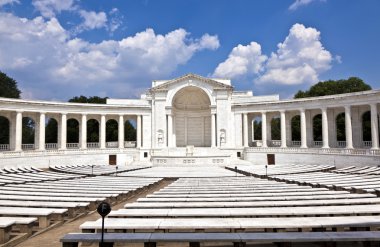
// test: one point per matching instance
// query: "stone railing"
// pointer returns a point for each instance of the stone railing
(274, 143)
(34, 153)
(317, 143)
(92, 144)
(129, 144)
(4, 147)
(51, 146)
(27, 146)
(295, 143)
(72, 145)
(367, 144)
(341, 144)
(112, 144)
(342, 151)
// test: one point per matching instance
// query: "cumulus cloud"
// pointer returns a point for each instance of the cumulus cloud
(45, 57)
(4, 2)
(92, 20)
(299, 3)
(48, 8)
(298, 60)
(243, 60)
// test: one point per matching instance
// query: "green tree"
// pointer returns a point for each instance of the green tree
(90, 100)
(331, 87)
(8, 89)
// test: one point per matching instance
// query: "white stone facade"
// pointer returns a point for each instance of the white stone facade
(201, 112)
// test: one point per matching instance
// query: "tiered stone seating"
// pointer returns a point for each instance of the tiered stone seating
(336, 181)
(95, 169)
(41, 199)
(261, 170)
(193, 171)
(227, 204)
(367, 170)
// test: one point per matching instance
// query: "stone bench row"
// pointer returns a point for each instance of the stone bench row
(24, 225)
(260, 170)
(361, 183)
(265, 203)
(231, 224)
(257, 198)
(247, 212)
(238, 239)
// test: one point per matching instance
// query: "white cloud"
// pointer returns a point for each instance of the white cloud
(298, 60)
(4, 2)
(49, 62)
(300, 3)
(242, 61)
(48, 8)
(93, 20)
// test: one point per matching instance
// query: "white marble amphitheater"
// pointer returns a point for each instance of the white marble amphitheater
(197, 174)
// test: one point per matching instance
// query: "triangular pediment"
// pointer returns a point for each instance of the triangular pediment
(188, 77)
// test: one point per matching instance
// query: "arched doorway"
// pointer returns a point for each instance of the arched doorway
(192, 117)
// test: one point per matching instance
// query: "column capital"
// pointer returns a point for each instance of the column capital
(121, 115)
(42, 112)
(282, 111)
(324, 108)
(64, 113)
(302, 110)
(19, 111)
(347, 107)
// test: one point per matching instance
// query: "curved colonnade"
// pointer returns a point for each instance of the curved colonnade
(205, 113)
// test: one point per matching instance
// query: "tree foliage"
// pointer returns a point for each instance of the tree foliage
(331, 87)
(8, 87)
(90, 100)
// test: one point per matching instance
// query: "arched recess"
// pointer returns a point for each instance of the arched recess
(275, 128)
(192, 117)
(51, 133)
(295, 123)
(366, 129)
(4, 133)
(130, 130)
(340, 127)
(317, 128)
(112, 131)
(28, 132)
(72, 134)
(92, 131)
(257, 130)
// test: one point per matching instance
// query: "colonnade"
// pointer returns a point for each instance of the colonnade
(62, 130)
(304, 127)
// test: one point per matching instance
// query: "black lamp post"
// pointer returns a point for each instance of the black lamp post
(104, 208)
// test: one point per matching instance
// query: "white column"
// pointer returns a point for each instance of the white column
(213, 134)
(170, 130)
(63, 130)
(264, 129)
(41, 141)
(121, 131)
(303, 128)
(138, 131)
(374, 127)
(347, 117)
(18, 135)
(325, 129)
(283, 129)
(83, 138)
(245, 130)
(103, 131)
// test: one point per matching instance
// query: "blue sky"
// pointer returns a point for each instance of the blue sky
(57, 49)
